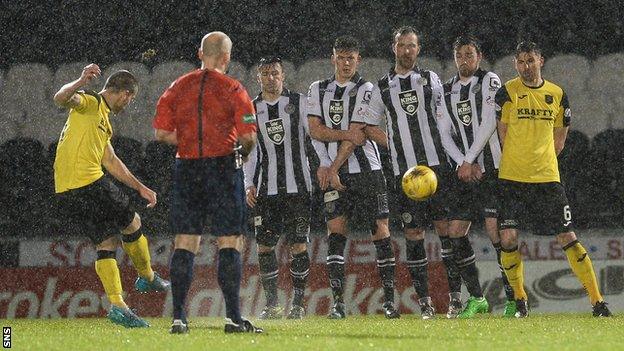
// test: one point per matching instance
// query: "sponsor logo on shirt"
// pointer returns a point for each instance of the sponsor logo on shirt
(275, 130)
(409, 101)
(336, 111)
(464, 112)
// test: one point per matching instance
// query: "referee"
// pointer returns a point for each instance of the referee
(206, 113)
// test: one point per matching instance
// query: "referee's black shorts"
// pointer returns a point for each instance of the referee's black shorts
(208, 194)
(98, 210)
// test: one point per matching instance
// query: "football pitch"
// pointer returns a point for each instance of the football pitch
(538, 332)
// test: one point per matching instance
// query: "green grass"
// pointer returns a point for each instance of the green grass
(538, 332)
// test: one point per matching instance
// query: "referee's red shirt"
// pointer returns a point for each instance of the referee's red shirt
(209, 129)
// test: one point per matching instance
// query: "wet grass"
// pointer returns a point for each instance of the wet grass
(488, 333)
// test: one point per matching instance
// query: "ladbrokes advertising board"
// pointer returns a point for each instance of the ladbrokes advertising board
(57, 279)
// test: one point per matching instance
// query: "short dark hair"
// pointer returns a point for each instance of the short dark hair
(269, 60)
(467, 40)
(346, 43)
(122, 80)
(527, 46)
(404, 30)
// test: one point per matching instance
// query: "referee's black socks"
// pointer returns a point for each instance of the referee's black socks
(385, 265)
(229, 271)
(181, 273)
(335, 264)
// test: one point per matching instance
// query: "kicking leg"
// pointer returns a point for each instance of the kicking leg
(135, 245)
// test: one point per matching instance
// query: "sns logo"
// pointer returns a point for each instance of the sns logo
(6, 337)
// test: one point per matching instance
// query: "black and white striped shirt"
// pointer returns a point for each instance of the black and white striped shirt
(336, 105)
(472, 108)
(415, 113)
(279, 163)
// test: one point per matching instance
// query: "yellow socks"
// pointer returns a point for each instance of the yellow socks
(582, 266)
(512, 264)
(135, 246)
(106, 268)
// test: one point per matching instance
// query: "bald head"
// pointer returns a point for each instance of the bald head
(214, 44)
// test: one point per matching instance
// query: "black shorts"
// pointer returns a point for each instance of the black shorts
(474, 200)
(277, 215)
(208, 193)
(418, 214)
(543, 205)
(365, 193)
(98, 210)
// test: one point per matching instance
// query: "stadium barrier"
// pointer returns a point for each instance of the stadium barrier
(56, 279)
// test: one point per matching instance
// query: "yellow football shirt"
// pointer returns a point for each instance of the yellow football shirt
(82, 142)
(531, 114)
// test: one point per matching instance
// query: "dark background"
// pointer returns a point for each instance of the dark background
(72, 31)
(107, 32)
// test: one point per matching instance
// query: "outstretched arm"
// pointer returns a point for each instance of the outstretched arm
(118, 169)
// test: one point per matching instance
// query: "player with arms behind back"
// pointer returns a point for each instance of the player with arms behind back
(533, 120)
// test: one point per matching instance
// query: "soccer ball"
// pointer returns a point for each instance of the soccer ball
(419, 183)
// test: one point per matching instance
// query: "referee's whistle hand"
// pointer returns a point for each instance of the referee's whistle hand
(149, 195)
